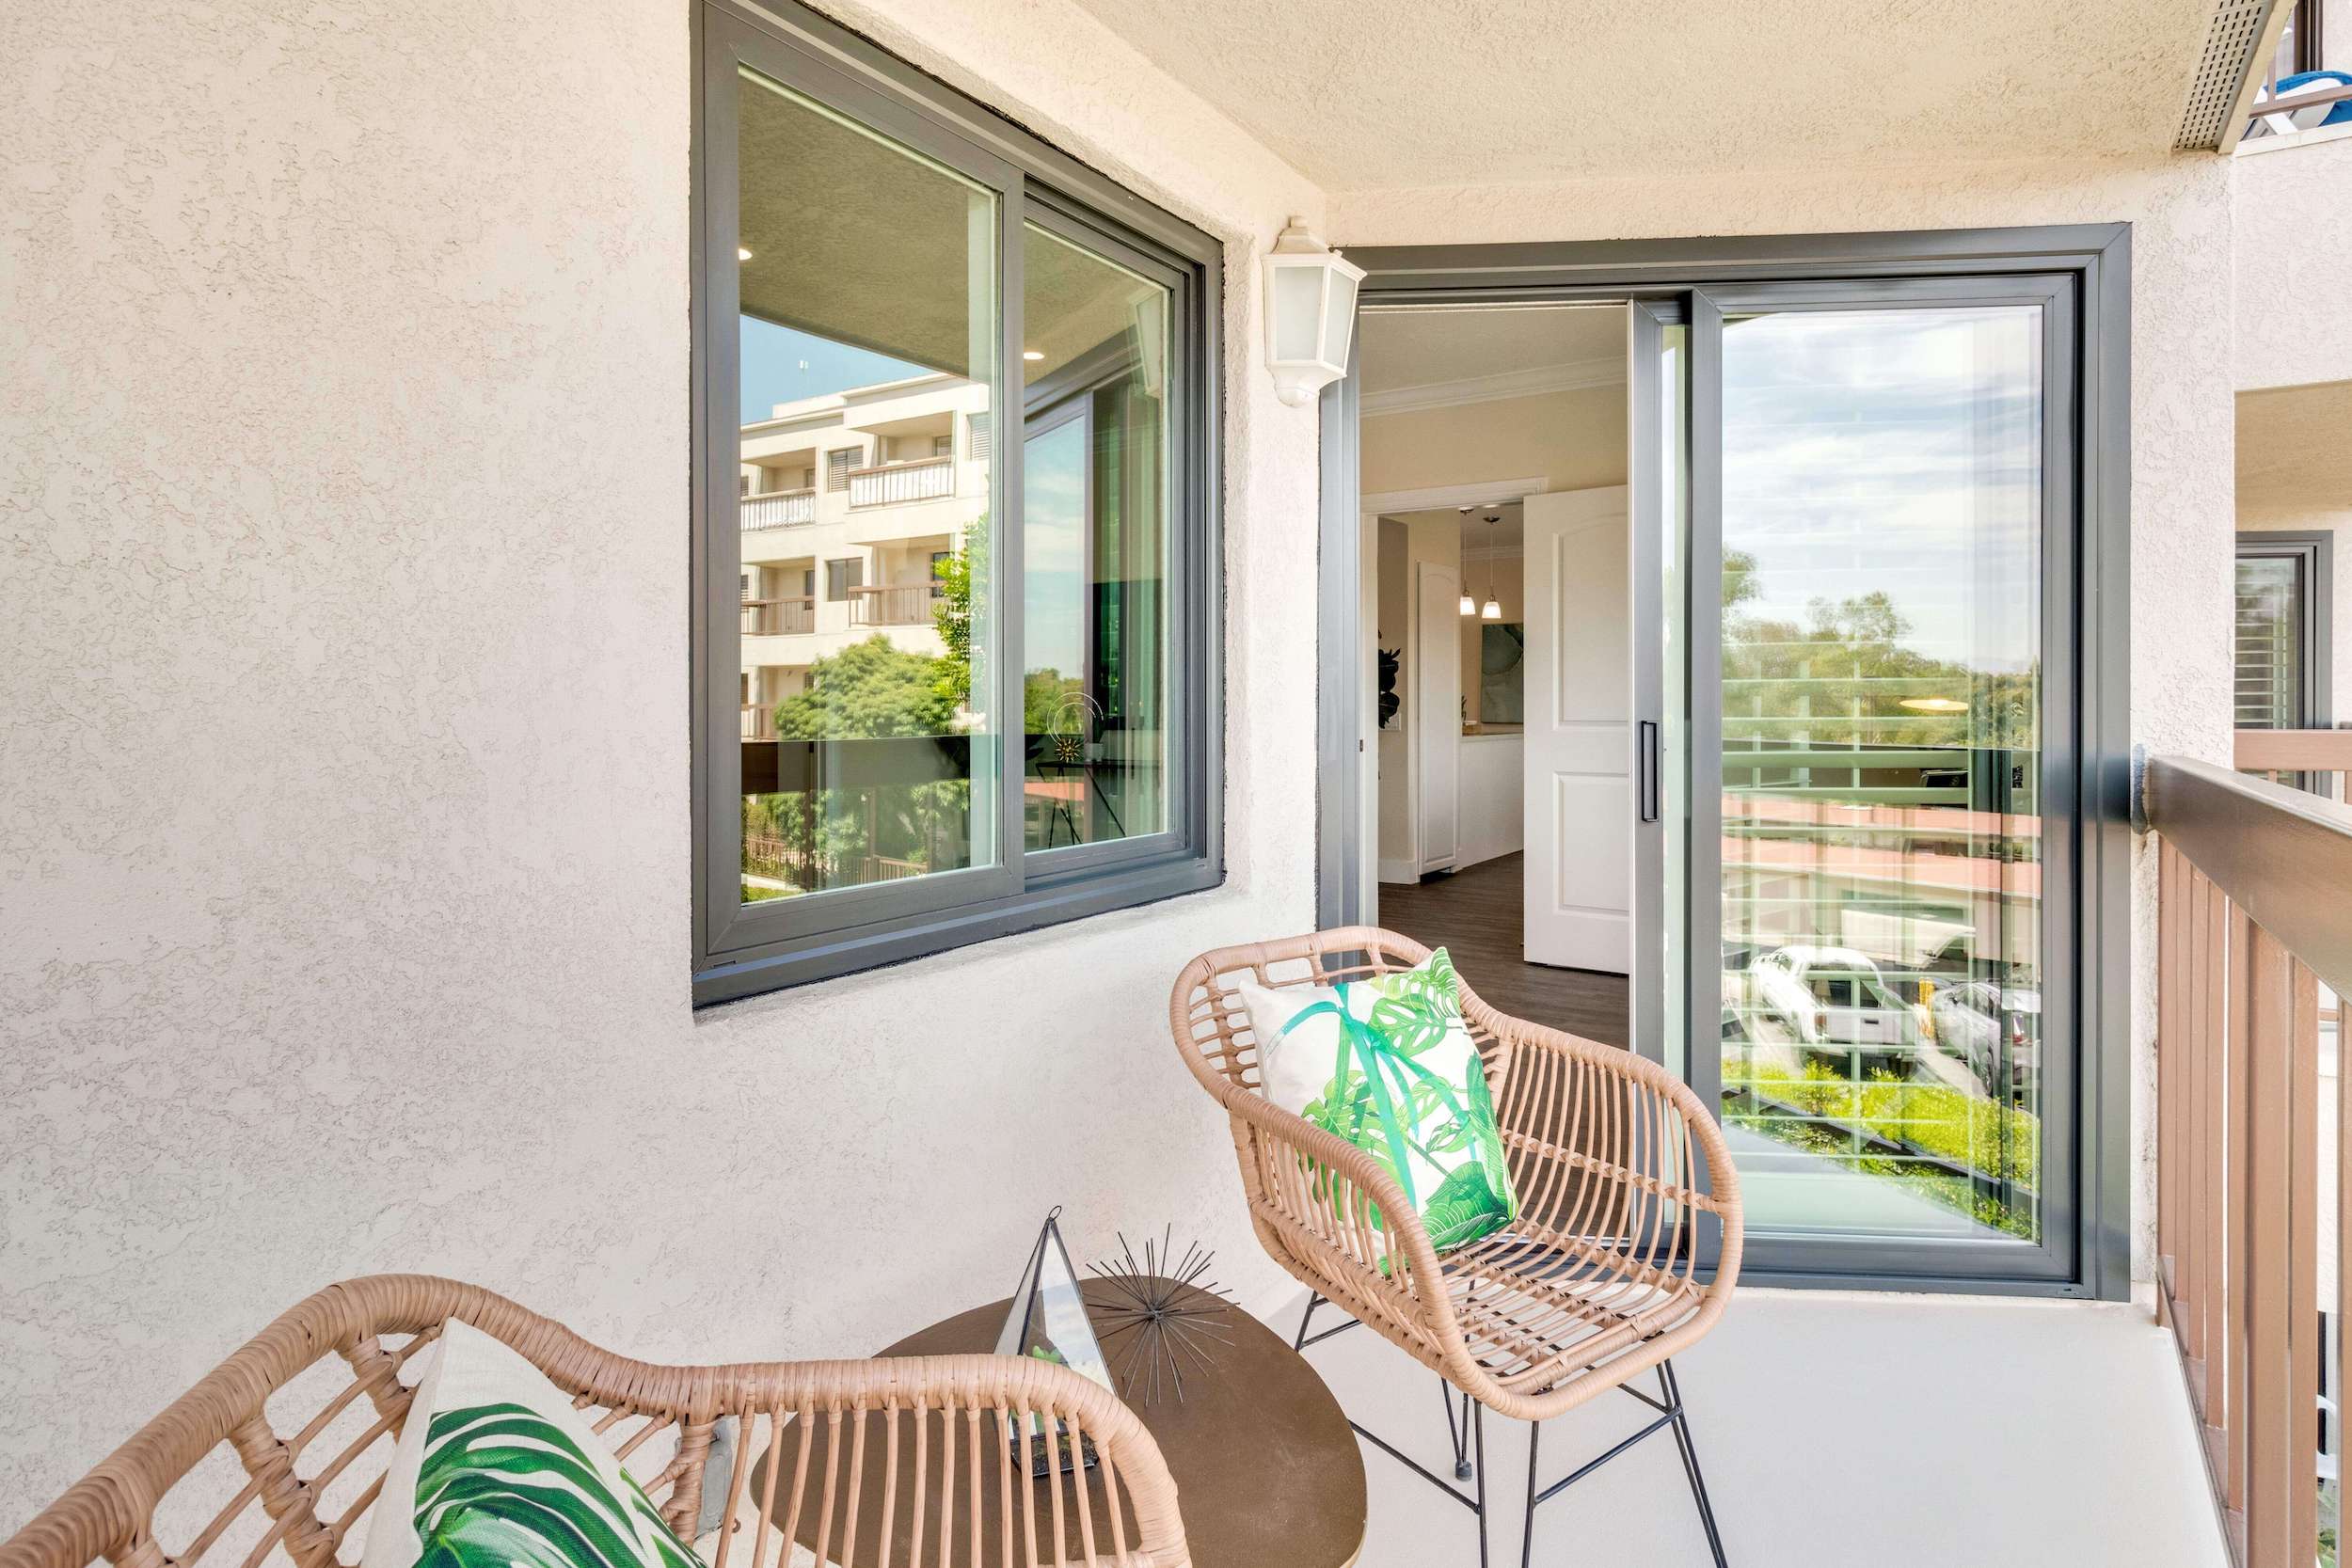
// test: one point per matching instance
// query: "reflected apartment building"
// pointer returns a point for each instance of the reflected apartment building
(848, 501)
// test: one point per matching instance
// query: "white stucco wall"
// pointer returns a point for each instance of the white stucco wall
(343, 850)
(2294, 263)
(2182, 416)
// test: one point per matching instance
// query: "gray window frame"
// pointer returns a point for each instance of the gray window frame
(740, 950)
(2315, 549)
(2093, 263)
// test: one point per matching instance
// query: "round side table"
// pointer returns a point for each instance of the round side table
(1266, 1467)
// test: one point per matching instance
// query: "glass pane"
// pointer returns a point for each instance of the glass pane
(1674, 734)
(1094, 543)
(2270, 634)
(1881, 845)
(868, 329)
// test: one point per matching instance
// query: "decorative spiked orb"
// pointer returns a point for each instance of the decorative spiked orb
(1167, 1315)
(1048, 1322)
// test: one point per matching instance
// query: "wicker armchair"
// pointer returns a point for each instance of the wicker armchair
(310, 1440)
(1594, 1284)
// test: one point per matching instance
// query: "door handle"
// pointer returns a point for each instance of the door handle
(1646, 768)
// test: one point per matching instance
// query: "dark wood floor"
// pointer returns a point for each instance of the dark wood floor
(1476, 916)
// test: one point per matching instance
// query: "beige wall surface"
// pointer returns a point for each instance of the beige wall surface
(2293, 260)
(1573, 439)
(343, 869)
(2182, 424)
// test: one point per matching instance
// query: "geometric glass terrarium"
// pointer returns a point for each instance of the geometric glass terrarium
(1048, 1320)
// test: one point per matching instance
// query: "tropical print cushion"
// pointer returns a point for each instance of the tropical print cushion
(494, 1468)
(1388, 1064)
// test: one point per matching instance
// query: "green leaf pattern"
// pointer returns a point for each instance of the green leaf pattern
(502, 1486)
(1407, 1087)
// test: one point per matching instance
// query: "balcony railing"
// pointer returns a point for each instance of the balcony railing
(2318, 761)
(759, 722)
(788, 617)
(778, 509)
(894, 484)
(2254, 933)
(908, 605)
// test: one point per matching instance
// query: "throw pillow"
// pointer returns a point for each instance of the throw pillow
(495, 1469)
(1388, 1064)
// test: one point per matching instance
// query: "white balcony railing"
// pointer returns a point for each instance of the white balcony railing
(906, 605)
(896, 483)
(795, 616)
(778, 509)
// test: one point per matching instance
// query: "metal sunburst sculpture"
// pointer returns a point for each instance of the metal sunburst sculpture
(1162, 1319)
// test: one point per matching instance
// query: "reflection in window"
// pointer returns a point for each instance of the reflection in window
(868, 310)
(1881, 705)
(1094, 542)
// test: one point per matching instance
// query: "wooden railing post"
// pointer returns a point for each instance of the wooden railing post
(2265, 1416)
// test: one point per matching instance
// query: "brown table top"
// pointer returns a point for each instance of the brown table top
(1266, 1467)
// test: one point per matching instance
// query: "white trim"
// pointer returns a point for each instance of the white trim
(1576, 374)
(2252, 145)
(1402, 870)
(1435, 496)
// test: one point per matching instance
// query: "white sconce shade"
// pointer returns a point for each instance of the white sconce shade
(1310, 313)
(1470, 606)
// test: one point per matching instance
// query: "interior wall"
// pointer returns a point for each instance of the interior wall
(1396, 755)
(2183, 522)
(344, 898)
(1573, 439)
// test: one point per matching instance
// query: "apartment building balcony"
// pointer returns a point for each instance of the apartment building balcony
(897, 484)
(793, 615)
(902, 605)
(777, 509)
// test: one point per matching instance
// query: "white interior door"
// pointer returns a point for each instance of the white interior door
(1580, 807)
(1438, 717)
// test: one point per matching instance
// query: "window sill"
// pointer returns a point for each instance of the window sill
(735, 977)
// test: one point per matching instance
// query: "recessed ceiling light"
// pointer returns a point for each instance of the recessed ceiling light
(742, 255)
(1032, 354)
(1933, 705)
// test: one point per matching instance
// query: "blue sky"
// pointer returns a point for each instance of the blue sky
(780, 365)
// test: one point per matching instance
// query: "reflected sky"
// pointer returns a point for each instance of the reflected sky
(1896, 451)
(1053, 544)
(781, 364)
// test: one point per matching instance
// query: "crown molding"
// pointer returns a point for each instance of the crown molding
(1574, 375)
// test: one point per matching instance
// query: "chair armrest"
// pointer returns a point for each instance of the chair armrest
(1337, 1218)
(1625, 1121)
(832, 1402)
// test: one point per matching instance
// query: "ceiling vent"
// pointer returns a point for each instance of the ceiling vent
(2232, 41)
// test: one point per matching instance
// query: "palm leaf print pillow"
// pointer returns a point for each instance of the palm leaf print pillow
(1387, 1063)
(494, 1468)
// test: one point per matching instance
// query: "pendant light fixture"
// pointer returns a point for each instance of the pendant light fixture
(1470, 606)
(1492, 611)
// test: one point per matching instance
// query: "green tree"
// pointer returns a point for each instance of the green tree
(868, 690)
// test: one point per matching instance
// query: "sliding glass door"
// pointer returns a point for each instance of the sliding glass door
(1874, 873)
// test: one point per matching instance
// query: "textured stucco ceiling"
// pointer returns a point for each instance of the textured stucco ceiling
(2295, 449)
(1367, 94)
(1418, 348)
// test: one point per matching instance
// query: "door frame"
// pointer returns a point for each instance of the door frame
(2095, 261)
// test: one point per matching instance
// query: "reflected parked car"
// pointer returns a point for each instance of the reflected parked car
(1974, 1020)
(1833, 998)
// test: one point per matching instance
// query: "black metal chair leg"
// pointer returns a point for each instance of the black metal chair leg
(1314, 1301)
(1527, 1521)
(1478, 1432)
(1458, 1432)
(1670, 1387)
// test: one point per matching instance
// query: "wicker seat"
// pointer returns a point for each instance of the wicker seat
(310, 1440)
(1616, 1165)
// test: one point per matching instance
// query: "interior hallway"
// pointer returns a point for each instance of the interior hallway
(1476, 916)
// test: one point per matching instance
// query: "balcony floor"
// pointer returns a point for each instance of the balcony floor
(1834, 1429)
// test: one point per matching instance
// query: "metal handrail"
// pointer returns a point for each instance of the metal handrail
(2284, 856)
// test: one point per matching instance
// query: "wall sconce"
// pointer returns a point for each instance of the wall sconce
(1310, 313)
